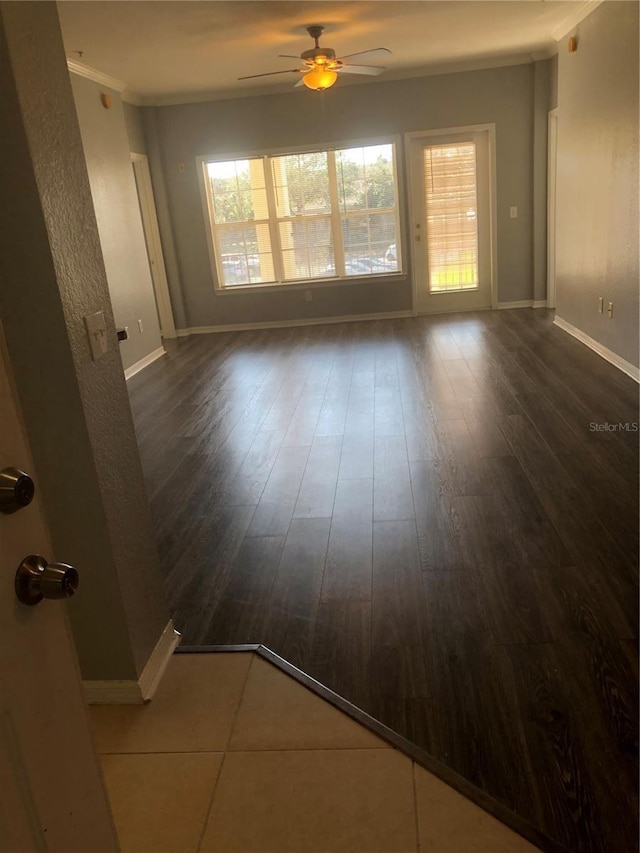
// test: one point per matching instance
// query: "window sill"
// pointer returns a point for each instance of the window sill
(454, 290)
(309, 284)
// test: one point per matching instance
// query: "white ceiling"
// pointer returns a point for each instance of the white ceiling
(167, 51)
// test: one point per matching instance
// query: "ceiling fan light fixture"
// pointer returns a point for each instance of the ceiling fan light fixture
(319, 79)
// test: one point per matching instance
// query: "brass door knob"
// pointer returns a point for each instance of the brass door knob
(36, 579)
(16, 490)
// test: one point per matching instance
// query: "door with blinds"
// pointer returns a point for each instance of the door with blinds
(451, 224)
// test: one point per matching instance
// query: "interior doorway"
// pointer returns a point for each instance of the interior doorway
(146, 200)
(552, 154)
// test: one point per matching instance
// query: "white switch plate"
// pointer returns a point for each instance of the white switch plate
(140, 326)
(513, 212)
(97, 332)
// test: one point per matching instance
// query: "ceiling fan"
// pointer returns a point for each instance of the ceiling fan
(320, 67)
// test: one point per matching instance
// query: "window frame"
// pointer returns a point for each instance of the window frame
(335, 216)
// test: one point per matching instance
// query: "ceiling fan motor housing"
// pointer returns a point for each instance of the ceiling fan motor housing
(325, 53)
(317, 55)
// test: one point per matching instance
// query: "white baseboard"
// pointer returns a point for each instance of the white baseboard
(524, 303)
(285, 324)
(451, 311)
(610, 356)
(132, 692)
(144, 362)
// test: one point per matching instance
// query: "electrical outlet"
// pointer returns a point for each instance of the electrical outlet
(140, 326)
(513, 212)
(308, 296)
(600, 305)
(610, 309)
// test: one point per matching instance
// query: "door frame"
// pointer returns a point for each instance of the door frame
(552, 161)
(409, 138)
(142, 176)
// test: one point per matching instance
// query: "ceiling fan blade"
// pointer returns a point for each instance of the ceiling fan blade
(362, 52)
(372, 70)
(300, 82)
(271, 73)
(287, 56)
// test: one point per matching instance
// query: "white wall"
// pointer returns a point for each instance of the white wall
(107, 152)
(597, 178)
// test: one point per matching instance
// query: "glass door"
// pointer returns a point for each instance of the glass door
(451, 221)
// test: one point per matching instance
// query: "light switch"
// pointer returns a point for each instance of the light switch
(97, 332)
(513, 212)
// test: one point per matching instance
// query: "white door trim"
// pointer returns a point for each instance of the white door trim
(552, 149)
(136, 692)
(490, 129)
(142, 174)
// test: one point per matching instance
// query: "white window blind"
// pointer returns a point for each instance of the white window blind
(304, 216)
(303, 208)
(452, 216)
(241, 221)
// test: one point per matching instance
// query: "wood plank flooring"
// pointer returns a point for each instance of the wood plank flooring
(420, 515)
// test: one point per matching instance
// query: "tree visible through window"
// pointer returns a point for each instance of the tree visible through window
(304, 216)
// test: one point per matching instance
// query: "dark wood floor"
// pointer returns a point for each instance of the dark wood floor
(419, 514)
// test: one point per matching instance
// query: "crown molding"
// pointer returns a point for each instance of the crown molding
(541, 55)
(577, 15)
(478, 64)
(97, 76)
(133, 98)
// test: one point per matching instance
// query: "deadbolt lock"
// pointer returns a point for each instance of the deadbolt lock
(16, 490)
(36, 579)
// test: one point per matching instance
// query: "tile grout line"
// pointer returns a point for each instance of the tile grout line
(240, 700)
(207, 817)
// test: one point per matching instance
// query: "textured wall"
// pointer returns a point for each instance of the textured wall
(181, 133)
(106, 147)
(76, 410)
(597, 178)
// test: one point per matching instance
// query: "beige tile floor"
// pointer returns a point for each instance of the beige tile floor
(233, 756)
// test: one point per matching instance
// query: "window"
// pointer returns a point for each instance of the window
(452, 216)
(304, 216)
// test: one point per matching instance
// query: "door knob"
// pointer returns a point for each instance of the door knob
(16, 490)
(36, 579)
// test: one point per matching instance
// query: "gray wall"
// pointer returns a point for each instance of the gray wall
(135, 132)
(541, 107)
(76, 410)
(597, 179)
(107, 151)
(178, 134)
(553, 82)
